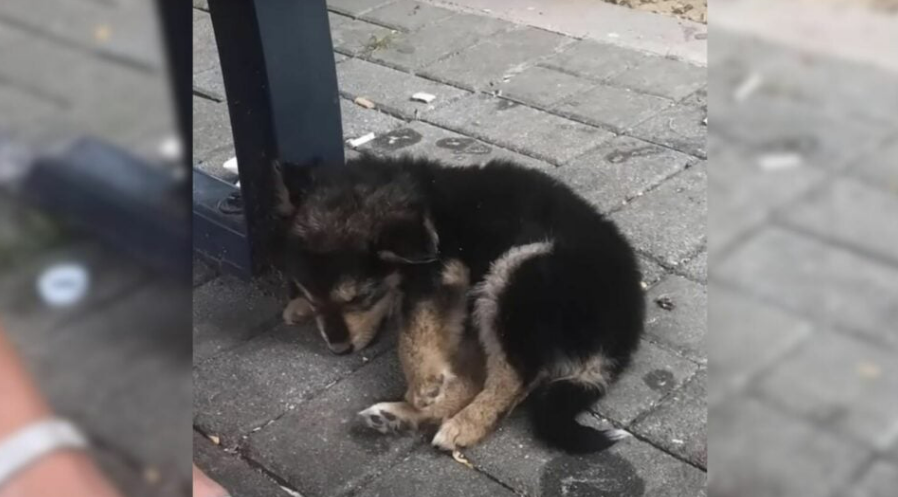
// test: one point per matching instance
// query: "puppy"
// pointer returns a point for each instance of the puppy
(556, 302)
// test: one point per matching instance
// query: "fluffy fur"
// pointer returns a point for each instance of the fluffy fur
(556, 303)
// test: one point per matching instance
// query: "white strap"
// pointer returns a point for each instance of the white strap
(34, 441)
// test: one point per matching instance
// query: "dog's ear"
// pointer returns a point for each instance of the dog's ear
(408, 240)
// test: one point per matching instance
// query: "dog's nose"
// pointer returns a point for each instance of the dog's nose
(340, 348)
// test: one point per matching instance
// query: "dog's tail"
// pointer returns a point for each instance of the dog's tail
(554, 407)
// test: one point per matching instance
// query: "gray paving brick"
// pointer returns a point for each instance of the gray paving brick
(775, 124)
(484, 65)
(205, 51)
(617, 108)
(629, 468)
(391, 90)
(655, 373)
(824, 283)
(699, 98)
(211, 127)
(20, 108)
(337, 451)
(746, 337)
(542, 87)
(72, 21)
(407, 15)
(652, 272)
(355, 37)
(880, 480)
(422, 139)
(354, 7)
(679, 127)
(597, 61)
(202, 271)
(669, 221)
(227, 312)
(519, 128)
(231, 472)
(210, 83)
(841, 383)
(426, 46)
(682, 328)
(131, 480)
(758, 450)
(678, 423)
(621, 169)
(662, 76)
(697, 268)
(201, 4)
(429, 472)
(851, 213)
(358, 121)
(212, 163)
(272, 374)
(878, 166)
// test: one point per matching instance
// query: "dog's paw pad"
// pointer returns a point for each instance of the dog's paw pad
(379, 418)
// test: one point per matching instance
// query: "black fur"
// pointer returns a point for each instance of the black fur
(581, 299)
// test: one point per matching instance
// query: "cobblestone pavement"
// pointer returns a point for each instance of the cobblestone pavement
(803, 344)
(623, 128)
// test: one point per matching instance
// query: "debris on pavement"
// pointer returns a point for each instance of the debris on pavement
(215, 439)
(461, 459)
(230, 164)
(358, 142)
(364, 102)
(780, 160)
(665, 303)
(868, 371)
(748, 87)
(63, 285)
(423, 97)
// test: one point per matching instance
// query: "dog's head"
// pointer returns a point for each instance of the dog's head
(349, 231)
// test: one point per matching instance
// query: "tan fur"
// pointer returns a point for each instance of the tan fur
(297, 311)
(363, 325)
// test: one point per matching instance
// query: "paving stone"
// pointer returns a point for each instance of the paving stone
(617, 108)
(424, 140)
(432, 43)
(392, 90)
(205, 50)
(519, 128)
(678, 127)
(678, 423)
(429, 472)
(621, 169)
(202, 271)
(72, 21)
(201, 4)
(697, 99)
(774, 125)
(742, 195)
(662, 76)
(407, 15)
(354, 7)
(697, 268)
(746, 337)
(682, 328)
(842, 383)
(652, 272)
(131, 480)
(18, 107)
(758, 451)
(629, 468)
(231, 472)
(880, 480)
(822, 282)
(212, 163)
(669, 221)
(211, 127)
(228, 312)
(850, 213)
(878, 166)
(543, 87)
(354, 37)
(654, 374)
(597, 61)
(358, 121)
(333, 453)
(484, 65)
(210, 84)
(272, 374)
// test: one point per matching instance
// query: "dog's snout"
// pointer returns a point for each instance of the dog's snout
(340, 348)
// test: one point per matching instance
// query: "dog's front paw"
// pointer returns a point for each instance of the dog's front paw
(458, 432)
(297, 311)
(387, 417)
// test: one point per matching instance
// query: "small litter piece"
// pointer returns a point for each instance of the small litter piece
(230, 164)
(102, 33)
(423, 97)
(748, 87)
(215, 439)
(63, 285)
(677, 441)
(645, 286)
(780, 160)
(290, 491)
(151, 475)
(364, 102)
(665, 303)
(868, 371)
(461, 459)
(358, 142)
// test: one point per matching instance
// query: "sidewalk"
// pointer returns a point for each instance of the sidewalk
(275, 410)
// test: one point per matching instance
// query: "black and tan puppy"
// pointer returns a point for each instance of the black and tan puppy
(556, 303)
